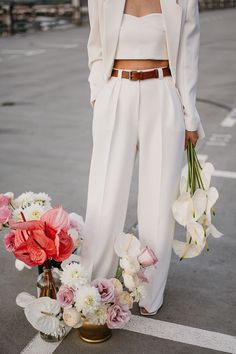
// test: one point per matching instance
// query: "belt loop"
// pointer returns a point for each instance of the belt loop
(160, 73)
(119, 73)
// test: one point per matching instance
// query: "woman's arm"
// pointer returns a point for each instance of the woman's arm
(188, 68)
(95, 61)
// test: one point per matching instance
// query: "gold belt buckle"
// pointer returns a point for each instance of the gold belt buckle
(130, 75)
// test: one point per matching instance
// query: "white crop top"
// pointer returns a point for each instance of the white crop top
(142, 37)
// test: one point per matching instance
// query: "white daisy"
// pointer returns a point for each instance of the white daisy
(87, 298)
(97, 315)
(74, 275)
(24, 200)
(42, 197)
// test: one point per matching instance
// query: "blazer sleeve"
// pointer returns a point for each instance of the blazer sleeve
(95, 60)
(188, 68)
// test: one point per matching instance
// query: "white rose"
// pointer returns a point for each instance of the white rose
(72, 318)
(130, 264)
(130, 281)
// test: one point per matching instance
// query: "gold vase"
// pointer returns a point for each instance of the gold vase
(94, 333)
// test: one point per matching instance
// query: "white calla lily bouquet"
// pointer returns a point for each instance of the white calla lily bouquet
(193, 209)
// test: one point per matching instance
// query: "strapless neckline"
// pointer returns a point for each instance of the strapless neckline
(150, 14)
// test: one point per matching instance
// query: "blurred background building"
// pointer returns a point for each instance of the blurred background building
(20, 16)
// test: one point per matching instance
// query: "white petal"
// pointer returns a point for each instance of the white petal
(183, 185)
(199, 202)
(196, 231)
(186, 250)
(212, 196)
(182, 209)
(42, 312)
(127, 244)
(23, 299)
(21, 265)
(214, 232)
(73, 258)
(206, 174)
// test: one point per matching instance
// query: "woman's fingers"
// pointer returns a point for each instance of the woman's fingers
(190, 136)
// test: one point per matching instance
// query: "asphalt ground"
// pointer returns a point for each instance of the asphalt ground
(46, 144)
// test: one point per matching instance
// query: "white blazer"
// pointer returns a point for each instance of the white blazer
(183, 37)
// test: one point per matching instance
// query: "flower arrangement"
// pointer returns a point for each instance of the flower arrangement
(39, 233)
(194, 207)
(100, 301)
(106, 300)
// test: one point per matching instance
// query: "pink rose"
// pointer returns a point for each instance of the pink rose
(65, 295)
(9, 240)
(4, 214)
(117, 315)
(105, 288)
(147, 257)
(4, 200)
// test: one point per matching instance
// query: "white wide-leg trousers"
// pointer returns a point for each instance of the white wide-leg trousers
(130, 117)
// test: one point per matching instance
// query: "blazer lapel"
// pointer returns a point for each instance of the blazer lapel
(172, 13)
(112, 15)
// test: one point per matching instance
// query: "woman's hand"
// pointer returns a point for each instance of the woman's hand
(192, 136)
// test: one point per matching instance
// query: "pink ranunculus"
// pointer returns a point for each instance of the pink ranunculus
(117, 316)
(142, 276)
(4, 200)
(4, 214)
(105, 288)
(65, 296)
(9, 240)
(57, 218)
(147, 257)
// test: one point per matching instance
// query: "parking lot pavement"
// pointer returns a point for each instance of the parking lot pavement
(46, 144)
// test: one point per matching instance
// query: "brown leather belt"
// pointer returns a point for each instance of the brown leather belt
(141, 75)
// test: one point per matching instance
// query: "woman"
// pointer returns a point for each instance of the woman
(143, 61)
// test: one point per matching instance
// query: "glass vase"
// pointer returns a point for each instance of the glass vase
(48, 284)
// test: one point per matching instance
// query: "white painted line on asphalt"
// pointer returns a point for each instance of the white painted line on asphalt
(225, 174)
(216, 173)
(38, 346)
(230, 120)
(35, 52)
(219, 139)
(184, 334)
(156, 328)
(70, 46)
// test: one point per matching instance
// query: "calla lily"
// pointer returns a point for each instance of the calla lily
(43, 314)
(212, 196)
(127, 244)
(196, 232)
(186, 208)
(187, 250)
(24, 299)
(214, 232)
(206, 173)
